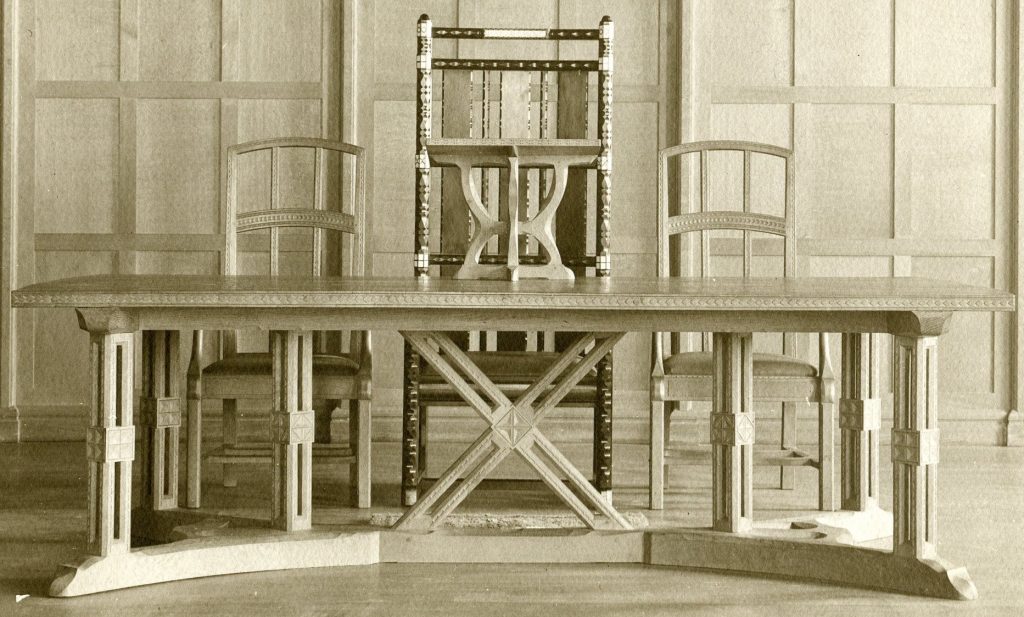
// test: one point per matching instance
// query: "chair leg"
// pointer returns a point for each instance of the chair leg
(424, 431)
(230, 434)
(193, 444)
(603, 429)
(410, 427)
(667, 423)
(322, 423)
(788, 440)
(360, 477)
(656, 497)
(826, 456)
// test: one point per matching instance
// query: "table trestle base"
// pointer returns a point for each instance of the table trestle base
(822, 547)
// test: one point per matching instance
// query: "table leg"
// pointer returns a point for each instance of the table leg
(110, 444)
(732, 432)
(161, 417)
(194, 436)
(915, 446)
(292, 424)
(860, 420)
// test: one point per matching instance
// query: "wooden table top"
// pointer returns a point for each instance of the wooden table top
(682, 294)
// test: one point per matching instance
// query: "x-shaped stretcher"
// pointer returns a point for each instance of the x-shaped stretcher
(511, 427)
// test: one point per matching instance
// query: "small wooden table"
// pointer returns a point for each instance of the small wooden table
(513, 154)
(915, 311)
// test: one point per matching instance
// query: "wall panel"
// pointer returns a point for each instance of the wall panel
(179, 40)
(947, 42)
(177, 161)
(840, 43)
(76, 163)
(844, 166)
(76, 40)
(950, 149)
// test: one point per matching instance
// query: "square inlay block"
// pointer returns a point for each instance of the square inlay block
(108, 445)
(729, 429)
(161, 412)
(292, 428)
(912, 447)
(860, 415)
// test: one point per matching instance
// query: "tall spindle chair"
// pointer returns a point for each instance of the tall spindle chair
(540, 101)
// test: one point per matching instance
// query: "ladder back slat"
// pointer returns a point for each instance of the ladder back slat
(705, 236)
(318, 205)
(747, 248)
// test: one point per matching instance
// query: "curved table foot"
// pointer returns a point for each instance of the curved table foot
(813, 556)
(215, 556)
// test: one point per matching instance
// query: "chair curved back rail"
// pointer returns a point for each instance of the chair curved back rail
(705, 220)
(318, 218)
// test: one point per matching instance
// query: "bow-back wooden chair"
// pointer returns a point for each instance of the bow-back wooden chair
(316, 227)
(679, 376)
(525, 101)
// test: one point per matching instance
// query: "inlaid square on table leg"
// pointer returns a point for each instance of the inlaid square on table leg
(292, 428)
(110, 444)
(161, 412)
(860, 415)
(730, 429)
(912, 447)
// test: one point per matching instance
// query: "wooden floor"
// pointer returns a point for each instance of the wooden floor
(42, 521)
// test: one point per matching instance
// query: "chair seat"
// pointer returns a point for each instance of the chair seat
(507, 367)
(248, 376)
(260, 364)
(513, 371)
(765, 365)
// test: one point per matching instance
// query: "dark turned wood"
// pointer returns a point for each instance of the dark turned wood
(464, 128)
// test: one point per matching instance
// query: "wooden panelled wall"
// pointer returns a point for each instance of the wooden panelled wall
(117, 113)
(902, 114)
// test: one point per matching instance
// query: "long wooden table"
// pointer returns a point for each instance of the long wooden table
(113, 308)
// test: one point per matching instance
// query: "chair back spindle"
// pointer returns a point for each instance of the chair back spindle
(334, 217)
(705, 219)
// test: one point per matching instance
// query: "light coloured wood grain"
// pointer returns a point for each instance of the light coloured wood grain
(923, 84)
(214, 558)
(73, 58)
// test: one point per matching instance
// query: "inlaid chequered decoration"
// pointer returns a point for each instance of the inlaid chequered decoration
(292, 428)
(161, 412)
(108, 445)
(728, 429)
(860, 415)
(911, 447)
